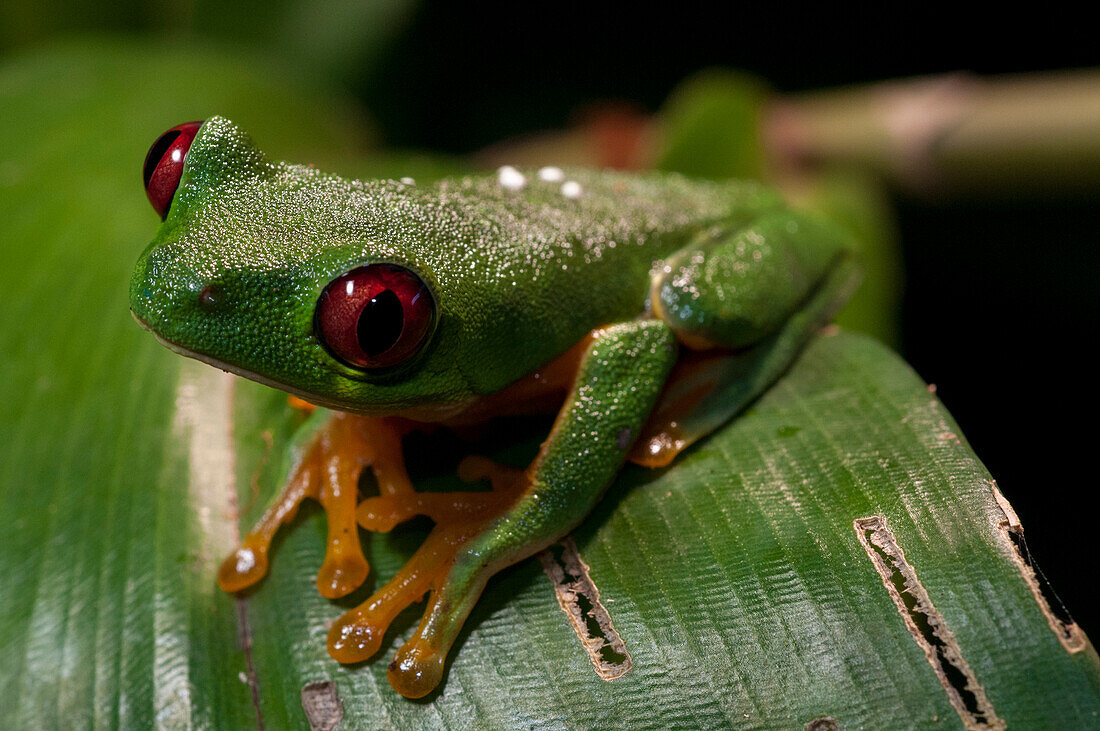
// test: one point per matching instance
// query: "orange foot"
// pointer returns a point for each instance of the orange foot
(418, 665)
(327, 470)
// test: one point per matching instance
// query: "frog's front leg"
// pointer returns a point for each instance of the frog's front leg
(477, 534)
(324, 462)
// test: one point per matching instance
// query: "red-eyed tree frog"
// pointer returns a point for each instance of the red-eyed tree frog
(643, 309)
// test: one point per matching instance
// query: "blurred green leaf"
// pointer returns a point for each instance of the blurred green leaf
(860, 204)
(736, 578)
(711, 124)
(333, 39)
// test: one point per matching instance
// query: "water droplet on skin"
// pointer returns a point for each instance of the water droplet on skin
(510, 178)
(551, 174)
(571, 189)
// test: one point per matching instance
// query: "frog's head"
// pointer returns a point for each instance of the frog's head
(291, 277)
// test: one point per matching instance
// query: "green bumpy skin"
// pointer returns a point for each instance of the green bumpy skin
(519, 276)
(522, 267)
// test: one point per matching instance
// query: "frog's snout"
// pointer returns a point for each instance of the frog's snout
(142, 295)
(170, 299)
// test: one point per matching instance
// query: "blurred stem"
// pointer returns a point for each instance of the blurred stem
(956, 133)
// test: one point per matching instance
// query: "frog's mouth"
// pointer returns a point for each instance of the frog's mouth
(236, 369)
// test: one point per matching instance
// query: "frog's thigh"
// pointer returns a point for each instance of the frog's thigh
(731, 289)
(708, 387)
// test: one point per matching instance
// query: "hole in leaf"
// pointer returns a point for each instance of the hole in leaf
(580, 600)
(322, 704)
(1053, 602)
(926, 624)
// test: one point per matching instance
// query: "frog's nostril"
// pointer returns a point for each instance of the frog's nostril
(210, 296)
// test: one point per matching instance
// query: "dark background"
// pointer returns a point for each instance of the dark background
(1000, 301)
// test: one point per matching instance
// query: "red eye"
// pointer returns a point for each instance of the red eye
(164, 165)
(375, 316)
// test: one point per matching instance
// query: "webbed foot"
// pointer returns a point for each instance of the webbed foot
(459, 516)
(326, 467)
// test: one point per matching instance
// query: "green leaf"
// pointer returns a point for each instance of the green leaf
(739, 580)
(736, 579)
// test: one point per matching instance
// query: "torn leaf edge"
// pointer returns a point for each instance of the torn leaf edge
(1070, 634)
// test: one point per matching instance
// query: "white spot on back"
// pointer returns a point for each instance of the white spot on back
(510, 178)
(551, 174)
(571, 189)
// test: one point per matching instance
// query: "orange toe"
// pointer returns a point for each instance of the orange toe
(416, 669)
(354, 637)
(342, 574)
(244, 567)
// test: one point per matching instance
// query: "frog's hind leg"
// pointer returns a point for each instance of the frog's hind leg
(745, 345)
(324, 463)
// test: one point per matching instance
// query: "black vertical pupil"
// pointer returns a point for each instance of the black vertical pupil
(156, 152)
(380, 323)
